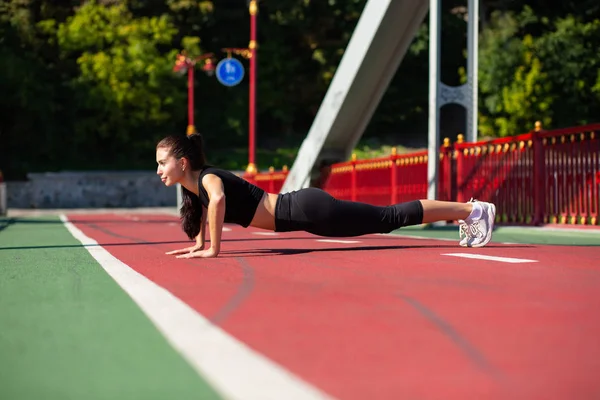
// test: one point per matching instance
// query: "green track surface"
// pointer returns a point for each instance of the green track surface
(519, 235)
(68, 331)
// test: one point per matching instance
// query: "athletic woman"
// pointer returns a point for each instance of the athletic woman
(216, 196)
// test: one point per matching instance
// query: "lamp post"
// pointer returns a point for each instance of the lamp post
(251, 169)
(185, 64)
(249, 53)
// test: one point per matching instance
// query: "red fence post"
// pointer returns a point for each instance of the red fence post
(250, 176)
(394, 176)
(271, 180)
(459, 179)
(448, 181)
(539, 176)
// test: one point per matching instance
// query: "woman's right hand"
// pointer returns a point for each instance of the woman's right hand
(191, 249)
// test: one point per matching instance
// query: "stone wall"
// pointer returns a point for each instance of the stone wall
(3, 208)
(90, 190)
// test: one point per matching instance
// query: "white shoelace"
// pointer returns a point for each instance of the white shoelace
(466, 229)
(469, 230)
(474, 230)
(463, 228)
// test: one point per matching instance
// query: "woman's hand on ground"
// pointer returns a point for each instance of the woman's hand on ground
(190, 249)
(209, 253)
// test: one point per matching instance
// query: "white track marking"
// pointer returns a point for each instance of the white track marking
(491, 258)
(337, 241)
(232, 368)
(266, 233)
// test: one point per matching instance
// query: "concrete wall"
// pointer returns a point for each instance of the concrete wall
(90, 190)
(3, 209)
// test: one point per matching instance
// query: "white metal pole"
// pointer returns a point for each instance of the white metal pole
(472, 69)
(434, 88)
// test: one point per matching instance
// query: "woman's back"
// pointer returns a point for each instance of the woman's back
(241, 197)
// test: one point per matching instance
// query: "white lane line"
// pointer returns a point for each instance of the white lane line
(232, 368)
(266, 233)
(337, 241)
(491, 258)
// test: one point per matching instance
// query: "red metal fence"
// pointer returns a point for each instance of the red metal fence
(535, 178)
(271, 181)
(539, 177)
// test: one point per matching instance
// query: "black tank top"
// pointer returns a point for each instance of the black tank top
(241, 197)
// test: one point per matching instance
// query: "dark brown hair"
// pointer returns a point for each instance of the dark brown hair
(192, 148)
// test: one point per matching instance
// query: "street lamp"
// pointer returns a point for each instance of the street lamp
(184, 64)
(250, 54)
(253, 9)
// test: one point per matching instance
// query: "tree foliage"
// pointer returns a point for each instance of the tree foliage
(528, 73)
(89, 85)
(124, 74)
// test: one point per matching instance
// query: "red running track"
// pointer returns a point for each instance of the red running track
(389, 317)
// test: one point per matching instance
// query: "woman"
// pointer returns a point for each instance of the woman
(217, 196)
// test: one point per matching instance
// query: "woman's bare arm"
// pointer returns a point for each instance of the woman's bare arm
(216, 210)
(200, 239)
(215, 217)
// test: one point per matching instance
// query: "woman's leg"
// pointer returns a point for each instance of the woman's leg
(476, 219)
(367, 218)
(321, 214)
(434, 211)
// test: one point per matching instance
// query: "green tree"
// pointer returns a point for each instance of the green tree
(569, 50)
(31, 81)
(88, 85)
(552, 77)
(125, 89)
(527, 98)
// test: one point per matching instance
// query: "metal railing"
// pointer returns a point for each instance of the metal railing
(535, 178)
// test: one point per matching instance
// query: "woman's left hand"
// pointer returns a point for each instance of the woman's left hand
(208, 253)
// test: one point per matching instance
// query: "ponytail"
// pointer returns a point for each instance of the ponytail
(197, 156)
(190, 213)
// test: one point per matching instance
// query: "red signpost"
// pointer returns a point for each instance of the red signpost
(185, 64)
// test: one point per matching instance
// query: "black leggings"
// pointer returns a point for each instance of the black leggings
(317, 212)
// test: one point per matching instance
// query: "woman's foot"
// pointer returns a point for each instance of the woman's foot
(478, 232)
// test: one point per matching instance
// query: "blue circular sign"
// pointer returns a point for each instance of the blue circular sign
(230, 71)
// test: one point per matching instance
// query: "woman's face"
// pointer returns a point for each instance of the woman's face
(169, 168)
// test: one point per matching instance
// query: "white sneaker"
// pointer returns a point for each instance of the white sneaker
(478, 233)
(462, 232)
(463, 229)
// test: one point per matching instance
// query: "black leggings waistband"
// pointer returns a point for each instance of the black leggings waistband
(316, 211)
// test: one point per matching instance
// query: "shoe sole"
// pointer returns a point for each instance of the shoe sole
(491, 220)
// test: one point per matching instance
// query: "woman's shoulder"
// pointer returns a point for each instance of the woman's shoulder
(209, 169)
(227, 177)
(220, 172)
